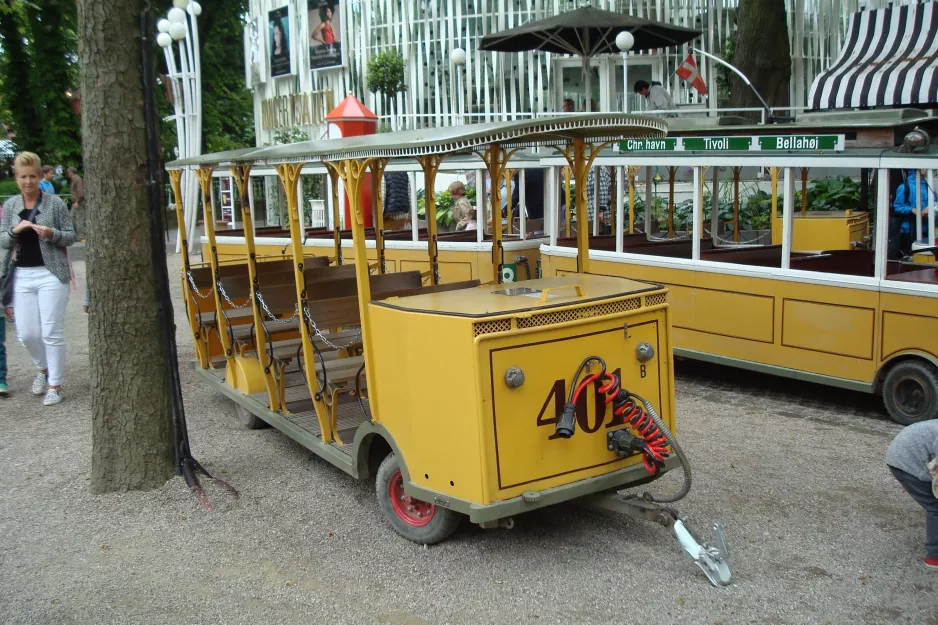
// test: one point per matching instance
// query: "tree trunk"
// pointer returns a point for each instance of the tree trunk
(762, 53)
(132, 446)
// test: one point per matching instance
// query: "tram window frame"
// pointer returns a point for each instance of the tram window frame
(923, 278)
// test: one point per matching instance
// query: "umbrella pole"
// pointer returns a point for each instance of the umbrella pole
(587, 77)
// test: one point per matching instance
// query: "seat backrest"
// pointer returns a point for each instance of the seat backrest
(334, 312)
(389, 283)
(439, 288)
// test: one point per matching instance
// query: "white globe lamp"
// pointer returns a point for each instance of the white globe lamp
(195, 8)
(458, 56)
(180, 4)
(163, 25)
(178, 31)
(625, 41)
(177, 16)
(164, 39)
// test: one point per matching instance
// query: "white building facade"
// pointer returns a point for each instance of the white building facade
(325, 54)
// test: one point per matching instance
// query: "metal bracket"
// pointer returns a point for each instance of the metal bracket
(712, 560)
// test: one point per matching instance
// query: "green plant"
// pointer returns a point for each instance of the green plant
(386, 75)
(831, 194)
(9, 187)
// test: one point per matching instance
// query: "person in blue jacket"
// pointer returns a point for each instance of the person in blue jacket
(906, 204)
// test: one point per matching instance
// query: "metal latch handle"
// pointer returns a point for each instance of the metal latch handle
(546, 292)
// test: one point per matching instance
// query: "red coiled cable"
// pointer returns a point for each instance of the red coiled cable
(655, 450)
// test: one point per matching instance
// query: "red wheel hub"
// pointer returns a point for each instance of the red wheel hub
(412, 511)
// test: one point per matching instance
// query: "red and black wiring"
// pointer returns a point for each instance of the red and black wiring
(651, 437)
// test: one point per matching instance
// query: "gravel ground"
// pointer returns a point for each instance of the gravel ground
(819, 531)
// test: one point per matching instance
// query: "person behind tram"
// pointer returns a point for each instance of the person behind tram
(464, 214)
(38, 228)
(913, 460)
(657, 97)
(906, 204)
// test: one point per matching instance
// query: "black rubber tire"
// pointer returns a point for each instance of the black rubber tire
(910, 392)
(444, 521)
(249, 420)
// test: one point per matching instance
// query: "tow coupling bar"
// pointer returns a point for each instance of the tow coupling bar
(712, 560)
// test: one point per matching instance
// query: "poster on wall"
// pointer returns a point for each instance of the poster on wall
(279, 35)
(325, 36)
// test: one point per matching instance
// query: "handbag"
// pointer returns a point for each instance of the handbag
(6, 281)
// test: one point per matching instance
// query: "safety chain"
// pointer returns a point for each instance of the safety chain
(221, 290)
(195, 288)
(272, 316)
(322, 337)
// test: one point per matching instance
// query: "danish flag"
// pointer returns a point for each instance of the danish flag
(689, 72)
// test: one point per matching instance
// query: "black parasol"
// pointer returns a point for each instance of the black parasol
(587, 32)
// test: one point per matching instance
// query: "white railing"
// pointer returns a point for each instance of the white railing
(410, 121)
(317, 214)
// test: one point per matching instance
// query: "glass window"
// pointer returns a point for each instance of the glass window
(910, 253)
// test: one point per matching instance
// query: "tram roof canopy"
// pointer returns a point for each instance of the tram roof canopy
(556, 130)
(883, 118)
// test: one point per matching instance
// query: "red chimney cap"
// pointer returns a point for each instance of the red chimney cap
(350, 108)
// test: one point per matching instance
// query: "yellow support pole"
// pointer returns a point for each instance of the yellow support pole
(242, 177)
(566, 185)
(336, 218)
(431, 165)
(289, 176)
(377, 174)
(776, 220)
(208, 215)
(353, 175)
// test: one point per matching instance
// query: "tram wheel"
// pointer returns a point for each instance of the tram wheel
(910, 392)
(248, 419)
(415, 520)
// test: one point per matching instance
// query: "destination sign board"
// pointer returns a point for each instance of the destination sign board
(774, 143)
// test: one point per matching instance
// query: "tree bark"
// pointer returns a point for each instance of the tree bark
(132, 447)
(762, 53)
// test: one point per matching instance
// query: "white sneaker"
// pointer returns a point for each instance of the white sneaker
(53, 397)
(41, 383)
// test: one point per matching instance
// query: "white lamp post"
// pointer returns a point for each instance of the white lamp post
(458, 56)
(625, 41)
(185, 77)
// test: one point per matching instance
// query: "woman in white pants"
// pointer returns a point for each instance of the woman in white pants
(35, 230)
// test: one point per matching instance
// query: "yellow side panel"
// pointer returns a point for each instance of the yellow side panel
(425, 384)
(847, 330)
(909, 324)
(731, 314)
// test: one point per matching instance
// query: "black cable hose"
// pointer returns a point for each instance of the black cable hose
(650, 409)
(185, 464)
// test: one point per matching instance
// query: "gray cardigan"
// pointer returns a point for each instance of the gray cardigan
(52, 213)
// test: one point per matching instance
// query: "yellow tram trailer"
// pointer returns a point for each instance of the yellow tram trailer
(850, 319)
(496, 439)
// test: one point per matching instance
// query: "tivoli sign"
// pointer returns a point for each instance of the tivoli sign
(780, 143)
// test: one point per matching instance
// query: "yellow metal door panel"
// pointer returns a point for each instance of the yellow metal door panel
(527, 453)
(909, 332)
(828, 328)
(732, 314)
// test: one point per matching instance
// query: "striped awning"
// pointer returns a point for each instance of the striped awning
(890, 58)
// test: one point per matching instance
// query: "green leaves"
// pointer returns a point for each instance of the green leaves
(386, 74)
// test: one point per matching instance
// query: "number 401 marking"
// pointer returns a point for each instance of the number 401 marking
(558, 393)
